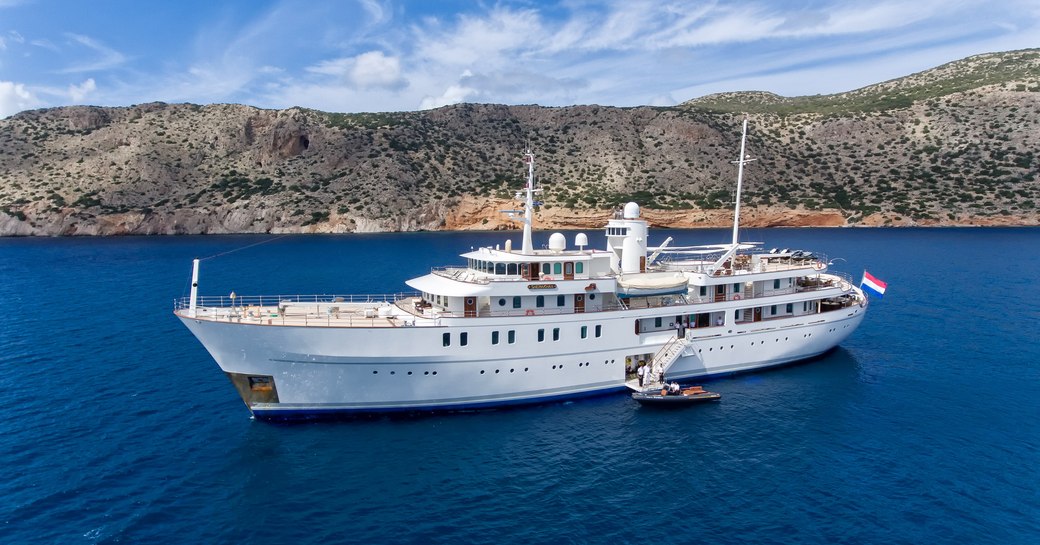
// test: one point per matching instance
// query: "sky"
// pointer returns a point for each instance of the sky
(397, 55)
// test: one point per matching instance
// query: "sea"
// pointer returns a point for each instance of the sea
(117, 427)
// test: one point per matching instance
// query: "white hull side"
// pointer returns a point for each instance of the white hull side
(319, 370)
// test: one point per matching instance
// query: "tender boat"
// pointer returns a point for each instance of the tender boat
(685, 396)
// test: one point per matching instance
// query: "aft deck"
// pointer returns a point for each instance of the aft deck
(309, 310)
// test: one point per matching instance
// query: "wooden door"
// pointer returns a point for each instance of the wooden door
(720, 293)
(579, 302)
(568, 271)
(758, 314)
(470, 307)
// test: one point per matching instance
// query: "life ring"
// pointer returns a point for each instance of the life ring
(529, 312)
(736, 297)
(819, 265)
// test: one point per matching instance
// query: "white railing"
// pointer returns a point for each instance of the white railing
(227, 301)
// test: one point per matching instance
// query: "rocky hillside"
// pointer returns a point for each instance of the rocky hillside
(955, 145)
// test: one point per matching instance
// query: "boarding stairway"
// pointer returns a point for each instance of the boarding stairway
(665, 357)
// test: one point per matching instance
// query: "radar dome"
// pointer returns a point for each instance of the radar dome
(557, 242)
(580, 240)
(631, 211)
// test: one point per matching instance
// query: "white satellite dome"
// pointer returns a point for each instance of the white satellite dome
(580, 240)
(631, 211)
(557, 242)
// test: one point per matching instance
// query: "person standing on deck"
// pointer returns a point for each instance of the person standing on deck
(642, 373)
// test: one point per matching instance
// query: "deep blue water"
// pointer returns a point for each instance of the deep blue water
(924, 427)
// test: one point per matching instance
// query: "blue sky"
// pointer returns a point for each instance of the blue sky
(393, 55)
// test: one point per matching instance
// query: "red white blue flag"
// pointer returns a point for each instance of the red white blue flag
(872, 285)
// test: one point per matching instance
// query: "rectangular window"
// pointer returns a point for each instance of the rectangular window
(556, 333)
(561, 300)
(463, 338)
(599, 330)
(736, 288)
(545, 268)
(557, 268)
(790, 308)
(539, 301)
(657, 322)
(446, 339)
(494, 337)
(772, 310)
(516, 301)
(541, 335)
(776, 284)
(511, 336)
(736, 314)
(704, 291)
(579, 267)
(584, 331)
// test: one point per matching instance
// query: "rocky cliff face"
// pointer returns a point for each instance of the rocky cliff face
(952, 146)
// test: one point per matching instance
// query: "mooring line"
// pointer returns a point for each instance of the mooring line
(245, 247)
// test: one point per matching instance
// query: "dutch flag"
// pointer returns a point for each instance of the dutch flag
(872, 285)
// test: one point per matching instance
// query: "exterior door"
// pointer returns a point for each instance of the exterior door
(758, 314)
(568, 271)
(579, 302)
(471, 307)
(720, 293)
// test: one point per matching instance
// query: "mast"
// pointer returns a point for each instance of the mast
(528, 246)
(720, 262)
(740, 181)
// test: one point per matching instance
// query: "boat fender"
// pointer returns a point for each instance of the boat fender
(529, 312)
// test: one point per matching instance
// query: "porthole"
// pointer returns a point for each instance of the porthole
(554, 367)
(393, 372)
(525, 369)
(481, 371)
(496, 371)
(426, 372)
(511, 370)
(435, 372)
(502, 302)
(592, 297)
(375, 372)
(409, 372)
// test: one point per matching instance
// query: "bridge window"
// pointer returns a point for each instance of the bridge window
(500, 268)
(512, 269)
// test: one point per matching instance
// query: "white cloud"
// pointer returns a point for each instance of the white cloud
(454, 94)
(106, 57)
(14, 97)
(374, 69)
(78, 92)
